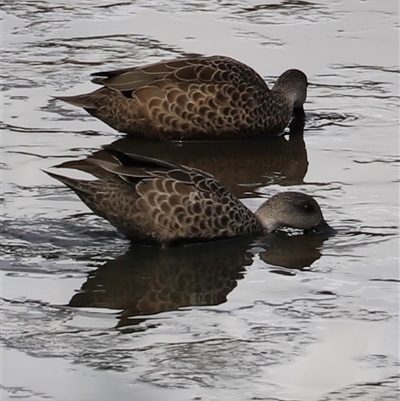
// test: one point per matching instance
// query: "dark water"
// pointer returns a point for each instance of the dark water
(86, 316)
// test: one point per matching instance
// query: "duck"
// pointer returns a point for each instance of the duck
(194, 98)
(158, 202)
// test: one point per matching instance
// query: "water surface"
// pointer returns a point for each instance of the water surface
(86, 316)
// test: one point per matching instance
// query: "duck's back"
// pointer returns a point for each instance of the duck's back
(191, 98)
(153, 201)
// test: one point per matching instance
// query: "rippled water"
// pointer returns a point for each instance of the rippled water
(87, 316)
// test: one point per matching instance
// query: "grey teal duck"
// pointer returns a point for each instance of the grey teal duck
(194, 98)
(150, 200)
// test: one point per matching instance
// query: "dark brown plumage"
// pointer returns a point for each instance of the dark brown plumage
(155, 201)
(194, 98)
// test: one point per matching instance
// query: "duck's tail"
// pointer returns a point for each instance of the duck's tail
(78, 186)
(84, 101)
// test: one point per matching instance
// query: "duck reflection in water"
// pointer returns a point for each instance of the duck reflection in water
(242, 166)
(146, 281)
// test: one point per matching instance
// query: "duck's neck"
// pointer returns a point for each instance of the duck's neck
(283, 96)
(267, 223)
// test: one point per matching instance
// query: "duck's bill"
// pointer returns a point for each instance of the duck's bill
(322, 228)
(298, 112)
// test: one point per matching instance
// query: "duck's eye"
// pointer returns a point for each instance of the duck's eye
(308, 208)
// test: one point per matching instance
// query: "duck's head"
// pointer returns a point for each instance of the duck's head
(293, 84)
(294, 210)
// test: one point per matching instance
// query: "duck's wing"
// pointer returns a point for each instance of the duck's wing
(148, 198)
(133, 168)
(199, 69)
(178, 202)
